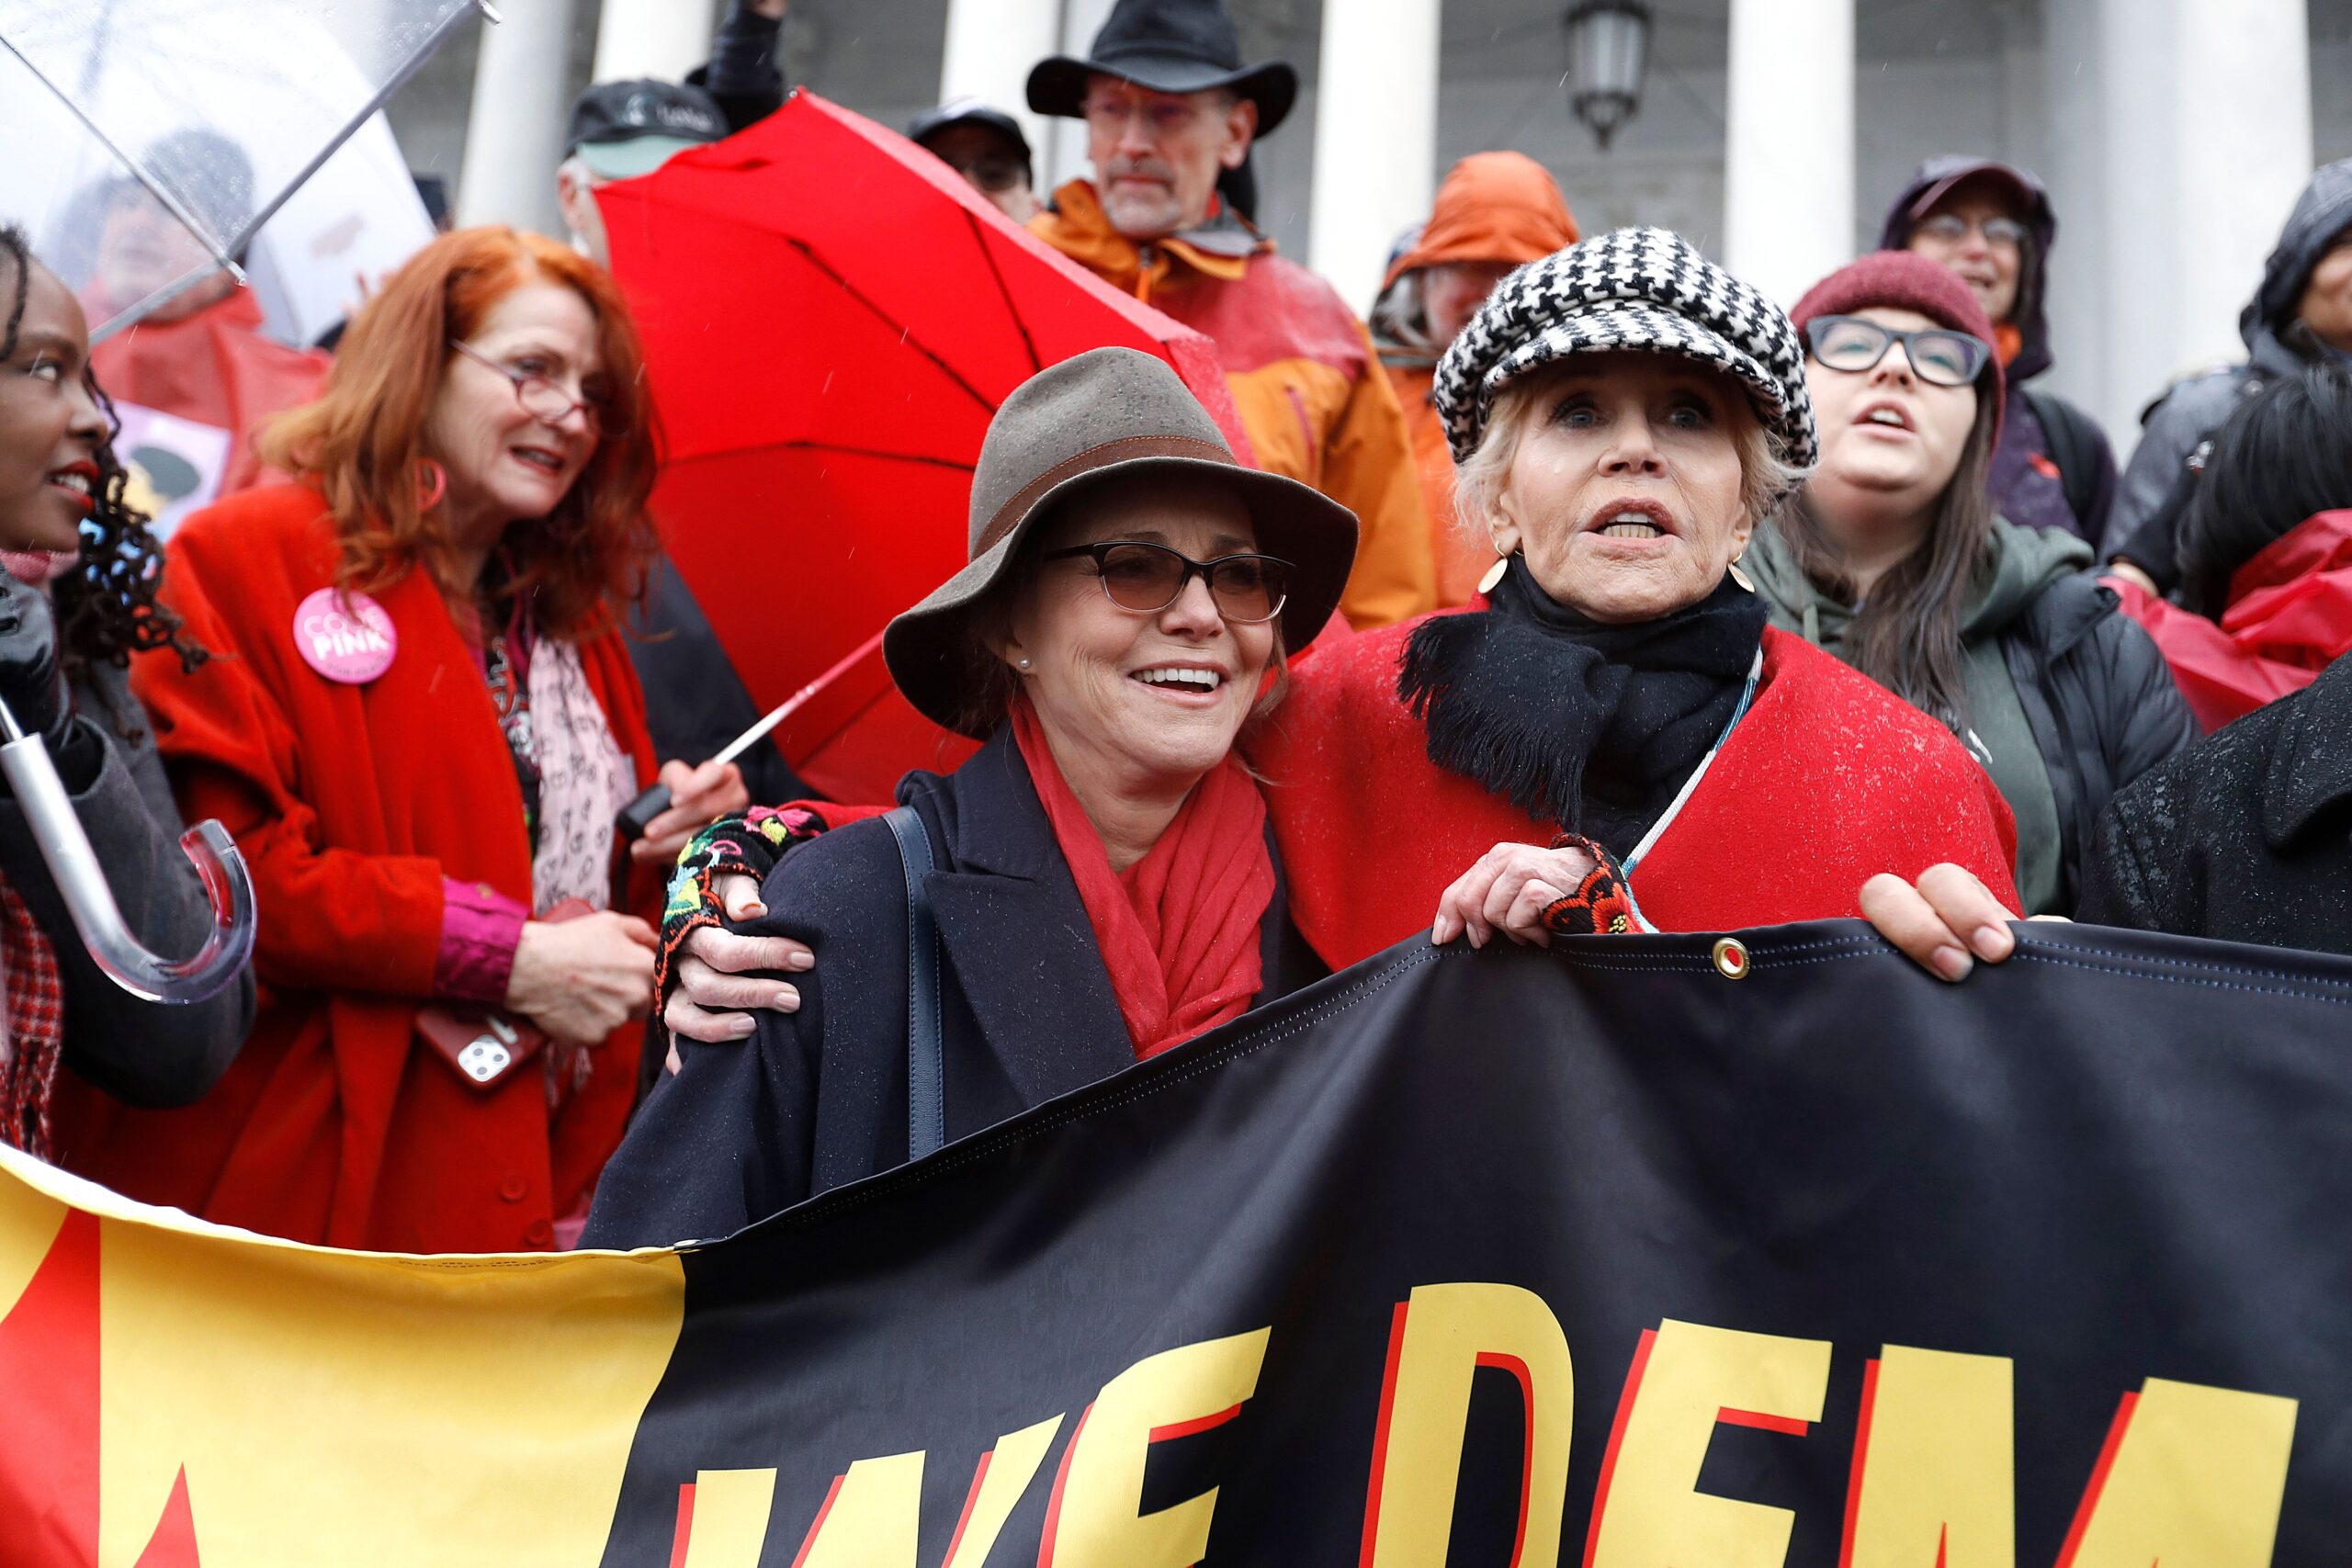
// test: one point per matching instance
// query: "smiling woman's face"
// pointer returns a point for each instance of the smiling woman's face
(51, 428)
(1890, 441)
(1144, 702)
(503, 462)
(1625, 491)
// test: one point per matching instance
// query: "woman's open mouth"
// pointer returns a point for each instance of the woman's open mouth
(1182, 680)
(1885, 416)
(79, 480)
(1634, 520)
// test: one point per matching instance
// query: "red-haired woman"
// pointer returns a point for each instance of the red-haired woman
(420, 727)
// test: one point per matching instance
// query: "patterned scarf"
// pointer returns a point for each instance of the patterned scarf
(35, 1024)
(585, 780)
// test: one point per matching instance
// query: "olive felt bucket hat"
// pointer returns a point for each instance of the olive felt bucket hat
(1110, 411)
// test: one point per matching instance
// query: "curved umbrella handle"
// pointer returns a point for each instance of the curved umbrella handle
(98, 920)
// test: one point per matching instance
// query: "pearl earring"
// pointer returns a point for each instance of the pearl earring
(1022, 661)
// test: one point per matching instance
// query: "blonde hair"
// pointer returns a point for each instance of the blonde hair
(1478, 479)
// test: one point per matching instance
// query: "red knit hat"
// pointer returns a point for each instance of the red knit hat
(1900, 280)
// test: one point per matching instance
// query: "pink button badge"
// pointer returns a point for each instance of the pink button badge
(344, 636)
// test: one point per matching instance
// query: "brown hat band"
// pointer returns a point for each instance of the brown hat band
(1127, 448)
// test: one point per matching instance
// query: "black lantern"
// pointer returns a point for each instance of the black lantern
(1609, 43)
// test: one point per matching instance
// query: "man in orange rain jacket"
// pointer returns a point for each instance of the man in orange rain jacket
(1169, 105)
(1495, 213)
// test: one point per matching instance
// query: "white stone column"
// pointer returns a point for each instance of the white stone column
(661, 38)
(1788, 143)
(2206, 130)
(1062, 156)
(2074, 93)
(991, 45)
(1375, 138)
(514, 134)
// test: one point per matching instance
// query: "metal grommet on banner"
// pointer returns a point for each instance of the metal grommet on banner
(1731, 958)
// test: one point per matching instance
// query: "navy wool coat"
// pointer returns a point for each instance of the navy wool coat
(819, 1096)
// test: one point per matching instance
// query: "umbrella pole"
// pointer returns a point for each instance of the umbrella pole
(82, 883)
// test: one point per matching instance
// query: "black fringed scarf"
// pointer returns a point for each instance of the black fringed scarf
(1590, 726)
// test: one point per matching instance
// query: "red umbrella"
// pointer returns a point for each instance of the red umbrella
(831, 315)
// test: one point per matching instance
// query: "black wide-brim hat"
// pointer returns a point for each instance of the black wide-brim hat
(1108, 411)
(1166, 46)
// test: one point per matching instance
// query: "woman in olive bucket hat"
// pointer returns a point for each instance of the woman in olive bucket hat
(1609, 737)
(1105, 885)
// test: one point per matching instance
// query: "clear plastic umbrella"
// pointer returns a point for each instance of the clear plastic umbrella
(150, 139)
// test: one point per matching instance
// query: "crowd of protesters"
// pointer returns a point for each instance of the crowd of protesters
(1579, 590)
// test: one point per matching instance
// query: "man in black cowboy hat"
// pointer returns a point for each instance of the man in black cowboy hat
(1170, 106)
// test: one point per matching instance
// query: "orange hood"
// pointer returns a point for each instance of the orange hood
(1493, 207)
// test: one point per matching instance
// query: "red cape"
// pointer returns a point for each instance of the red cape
(2290, 617)
(1828, 780)
(351, 803)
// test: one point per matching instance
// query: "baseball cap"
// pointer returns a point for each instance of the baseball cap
(968, 111)
(622, 129)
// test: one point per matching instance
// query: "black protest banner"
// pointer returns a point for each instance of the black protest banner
(1594, 1256)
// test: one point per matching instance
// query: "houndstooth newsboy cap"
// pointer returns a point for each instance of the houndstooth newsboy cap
(1643, 289)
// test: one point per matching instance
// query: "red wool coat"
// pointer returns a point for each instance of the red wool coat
(335, 1124)
(1827, 780)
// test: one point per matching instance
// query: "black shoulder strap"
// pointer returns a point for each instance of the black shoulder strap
(926, 1056)
(2070, 449)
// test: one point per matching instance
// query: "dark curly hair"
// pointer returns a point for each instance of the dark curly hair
(105, 606)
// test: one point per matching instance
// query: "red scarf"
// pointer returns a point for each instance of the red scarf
(1179, 929)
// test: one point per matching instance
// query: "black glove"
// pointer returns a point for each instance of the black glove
(33, 686)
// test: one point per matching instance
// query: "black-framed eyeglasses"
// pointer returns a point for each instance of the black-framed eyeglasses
(1854, 345)
(1146, 578)
(545, 400)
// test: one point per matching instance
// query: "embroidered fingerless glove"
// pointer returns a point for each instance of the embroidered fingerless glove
(1601, 905)
(747, 845)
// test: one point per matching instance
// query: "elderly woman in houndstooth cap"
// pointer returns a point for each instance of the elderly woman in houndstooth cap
(1610, 737)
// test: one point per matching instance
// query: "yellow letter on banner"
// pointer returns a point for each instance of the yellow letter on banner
(730, 1522)
(869, 1518)
(1936, 1477)
(1443, 1335)
(2192, 1477)
(1649, 1513)
(1093, 1522)
(1006, 1472)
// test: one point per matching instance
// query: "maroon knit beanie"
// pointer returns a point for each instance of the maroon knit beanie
(1903, 280)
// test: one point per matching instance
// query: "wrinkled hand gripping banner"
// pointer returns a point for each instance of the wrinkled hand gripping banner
(1592, 1256)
